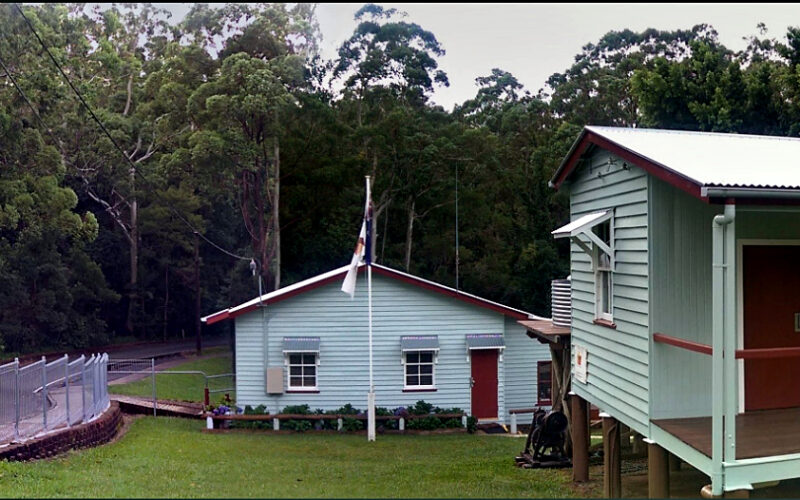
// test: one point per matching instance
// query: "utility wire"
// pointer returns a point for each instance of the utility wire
(110, 137)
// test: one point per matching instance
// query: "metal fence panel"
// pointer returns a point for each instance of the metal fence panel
(75, 368)
(8, 407)
(41, 396)
(54, 394)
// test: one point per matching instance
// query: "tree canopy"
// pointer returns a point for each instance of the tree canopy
(233, 131)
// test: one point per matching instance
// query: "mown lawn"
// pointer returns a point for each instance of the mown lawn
(182, 387)
(165, 457)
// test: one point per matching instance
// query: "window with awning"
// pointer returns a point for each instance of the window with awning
(302, 359)
(592, 227)
(594, 234)
(419, 356)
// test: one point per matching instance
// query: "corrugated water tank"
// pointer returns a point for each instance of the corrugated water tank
(561, 302)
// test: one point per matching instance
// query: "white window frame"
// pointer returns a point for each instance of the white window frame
(433, 362)
(598, 256)
(301, 388)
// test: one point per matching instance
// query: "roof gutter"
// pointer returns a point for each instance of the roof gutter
(745, 192)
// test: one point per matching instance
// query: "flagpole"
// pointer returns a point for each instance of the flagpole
(368, 259)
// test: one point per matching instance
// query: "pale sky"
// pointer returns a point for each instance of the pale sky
(533, 41)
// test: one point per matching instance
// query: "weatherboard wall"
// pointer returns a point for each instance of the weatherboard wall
(520, 360)
(398, 309)
(618, 358)
(680, 286)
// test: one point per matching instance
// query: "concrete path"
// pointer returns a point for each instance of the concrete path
(33, 424)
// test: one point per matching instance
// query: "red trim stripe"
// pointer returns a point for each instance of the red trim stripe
(683, 344)
(654, 168)
(762, 353)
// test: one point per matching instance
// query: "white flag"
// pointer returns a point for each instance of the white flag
(349, 284)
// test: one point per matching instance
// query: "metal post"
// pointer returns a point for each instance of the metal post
(66, 385)
(718, 323)
(368, 258)
(401, 424)
(16, 399)
(44, 392)
(197, 297)
(153, 371)
(729, 362)
(339, 424)
(276, 424)
(95, 383)
(513, 423)
(83, 385)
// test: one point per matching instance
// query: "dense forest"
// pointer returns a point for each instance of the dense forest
(144, 161)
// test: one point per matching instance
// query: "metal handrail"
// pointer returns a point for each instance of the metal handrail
(151, 371)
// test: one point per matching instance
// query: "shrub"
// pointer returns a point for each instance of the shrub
(430, 418)
(425, 423)
(420, 408)
(352, 425)
(252, 424)
(472, 424)
(347, 409)
(297, 425)
(297, 410)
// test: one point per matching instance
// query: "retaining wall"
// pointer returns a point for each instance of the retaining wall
(94, 433)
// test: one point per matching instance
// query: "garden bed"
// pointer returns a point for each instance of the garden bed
(300, 418)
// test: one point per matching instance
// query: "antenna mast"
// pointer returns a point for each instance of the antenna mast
(456, 163)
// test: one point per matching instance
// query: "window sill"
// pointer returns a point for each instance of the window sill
(543, 402)
(606, 323)
(421, 389)
(302, 391)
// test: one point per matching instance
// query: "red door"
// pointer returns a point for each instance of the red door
(484, 383)
(771, 282)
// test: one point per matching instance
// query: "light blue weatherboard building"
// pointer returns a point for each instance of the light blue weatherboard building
(308, 344)
(685, 261)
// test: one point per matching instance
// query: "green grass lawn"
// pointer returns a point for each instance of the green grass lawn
(166, 457)
(183, 387)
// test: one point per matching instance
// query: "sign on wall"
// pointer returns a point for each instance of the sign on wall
(579, 371)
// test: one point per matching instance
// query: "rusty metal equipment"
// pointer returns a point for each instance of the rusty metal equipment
(544, 447)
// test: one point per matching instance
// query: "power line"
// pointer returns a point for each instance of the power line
(110, 137)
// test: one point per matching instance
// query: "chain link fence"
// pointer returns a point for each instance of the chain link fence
(41, 396)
